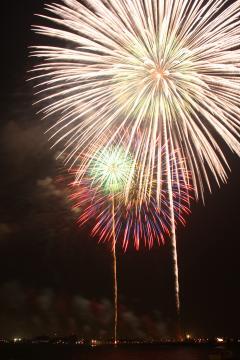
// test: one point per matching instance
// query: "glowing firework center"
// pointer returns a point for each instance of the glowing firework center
(111, 168)
(147, 71)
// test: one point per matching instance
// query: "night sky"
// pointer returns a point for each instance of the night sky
(54, 278)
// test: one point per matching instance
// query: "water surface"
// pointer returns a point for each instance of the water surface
(128, 352)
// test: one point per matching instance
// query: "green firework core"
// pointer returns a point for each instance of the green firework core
(111, 168)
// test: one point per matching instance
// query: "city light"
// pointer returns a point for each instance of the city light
(16, 340)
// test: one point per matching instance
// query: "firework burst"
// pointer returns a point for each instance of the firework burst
(110, 169)
(169, 68)
(142, 223)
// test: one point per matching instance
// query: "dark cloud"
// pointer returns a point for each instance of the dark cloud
(33, 196)
(49, 187)
(22, 146)
(30, 312)
(5, 230)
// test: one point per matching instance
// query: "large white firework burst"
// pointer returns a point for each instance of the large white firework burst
(167, 68)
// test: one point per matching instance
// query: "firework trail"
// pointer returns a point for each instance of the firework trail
(114, 273)
(173, 229)
(169, 66)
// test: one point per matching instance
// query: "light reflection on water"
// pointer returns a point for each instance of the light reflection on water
(147, 354)
(118, 353)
